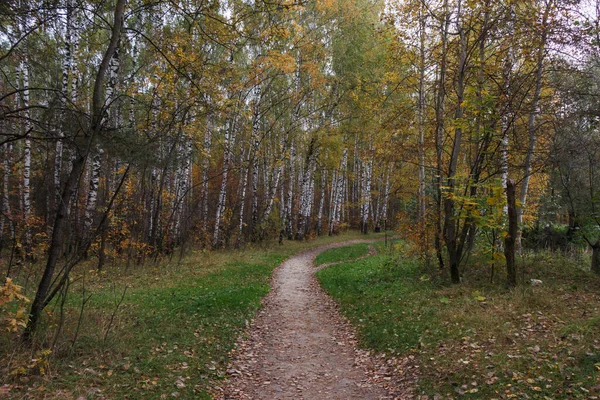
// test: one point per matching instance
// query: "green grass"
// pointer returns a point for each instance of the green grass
(478, 340)
(342, 254)
(172, 333)
(374, 293)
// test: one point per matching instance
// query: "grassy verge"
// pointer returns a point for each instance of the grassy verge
(342, 254)
(478, 340)
(169, 337)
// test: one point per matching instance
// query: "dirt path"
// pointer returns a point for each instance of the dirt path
(299, 347)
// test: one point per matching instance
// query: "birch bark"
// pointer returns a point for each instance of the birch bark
(26, 190)
(66, 69)
(275, 183)
(321, 202)
(450, 234)
(229, 139)
(253, 155)
(6, 216)
(531, 128)
(366, 194)
(440, 129)
(290, 192)
(42, 297)
(244, 185)
(305, 196)
(338, 193)
(421, 123)
(205, 169)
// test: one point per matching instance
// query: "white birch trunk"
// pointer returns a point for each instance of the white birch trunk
(229, 139)
(305, 195)
(386, 197)
(183, 186)
(153, 180)
(366, 194)
(75, 27)
(421, 122)
(506, 119)
(67, 61)
(26, 152)
(332, 200)
(376, 207)
(92, 197)
(282, 193)
(274, 185)
(253, 155)
(321, 202)
(205, 168)
(531, 128)
(6, 212)
(244, 185)
(290, 192)
(339, 193)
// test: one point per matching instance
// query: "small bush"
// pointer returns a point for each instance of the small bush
(551, 237)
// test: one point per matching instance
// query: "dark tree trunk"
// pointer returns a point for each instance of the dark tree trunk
(510, 239)
(58, 232)
(62, 216)
(596, 257)
(102, 250)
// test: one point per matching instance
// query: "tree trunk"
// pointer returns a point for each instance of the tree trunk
(366, 195)
(450, 230)
(61, 219)
(305, 195)
(596, 257)
(421, 123)
(290, 193)
(440, 131)
(506, 121)
(510, 239)
(92, 198)
(26, 156)
(67, 62)
(6, 211)
(60, 223)
(321, 202)
(531, 128)
(253, 156)
(337, 184)
(205, 168)
(229, 139)
(386, 197)
(273, 189)
(244, 185)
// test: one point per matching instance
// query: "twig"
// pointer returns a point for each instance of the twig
(112, 317)
(84, 301)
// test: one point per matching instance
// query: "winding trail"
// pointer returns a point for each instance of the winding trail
(299, 347)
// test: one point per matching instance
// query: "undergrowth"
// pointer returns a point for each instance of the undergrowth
(477, 339)
(146, 332)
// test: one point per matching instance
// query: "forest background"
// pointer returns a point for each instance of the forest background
(134, 132)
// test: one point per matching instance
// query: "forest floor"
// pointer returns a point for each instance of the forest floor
(299, 347)
(391, 328)
(477, 340)
(151, 331)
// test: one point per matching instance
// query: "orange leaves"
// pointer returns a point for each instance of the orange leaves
(11, 293)
(325, 5)
(282, 62)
